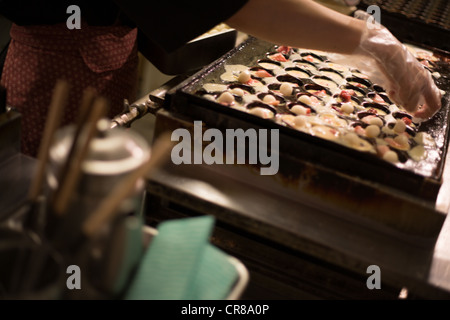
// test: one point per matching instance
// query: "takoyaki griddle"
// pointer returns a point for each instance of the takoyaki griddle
(421, 21)
(420, 179)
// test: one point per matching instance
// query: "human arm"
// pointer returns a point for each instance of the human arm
(307, 24)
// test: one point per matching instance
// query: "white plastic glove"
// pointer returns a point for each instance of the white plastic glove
(389, 63)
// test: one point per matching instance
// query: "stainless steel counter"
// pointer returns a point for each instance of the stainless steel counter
(262, 226)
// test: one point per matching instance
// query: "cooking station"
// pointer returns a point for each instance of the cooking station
(313, 229)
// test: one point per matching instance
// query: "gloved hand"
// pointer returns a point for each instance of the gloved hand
(394, 67)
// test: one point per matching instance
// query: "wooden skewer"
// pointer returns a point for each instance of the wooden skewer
(82, 119)
(108, 207)
(65, 192)
(57, 105)
(85, 107)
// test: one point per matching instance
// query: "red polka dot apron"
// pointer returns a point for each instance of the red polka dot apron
(104, 58)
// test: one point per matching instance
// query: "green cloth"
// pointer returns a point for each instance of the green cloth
(181, 264)
(132, 252)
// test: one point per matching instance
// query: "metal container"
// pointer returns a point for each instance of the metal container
(30, 269)
(112, 156)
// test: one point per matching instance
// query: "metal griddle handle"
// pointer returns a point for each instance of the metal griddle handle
(129, 115)
(153, 104)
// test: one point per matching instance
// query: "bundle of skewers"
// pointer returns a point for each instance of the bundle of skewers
(100, 248)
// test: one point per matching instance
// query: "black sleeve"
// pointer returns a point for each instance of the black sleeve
(48, 12)
(172, 23)
(28, 12)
